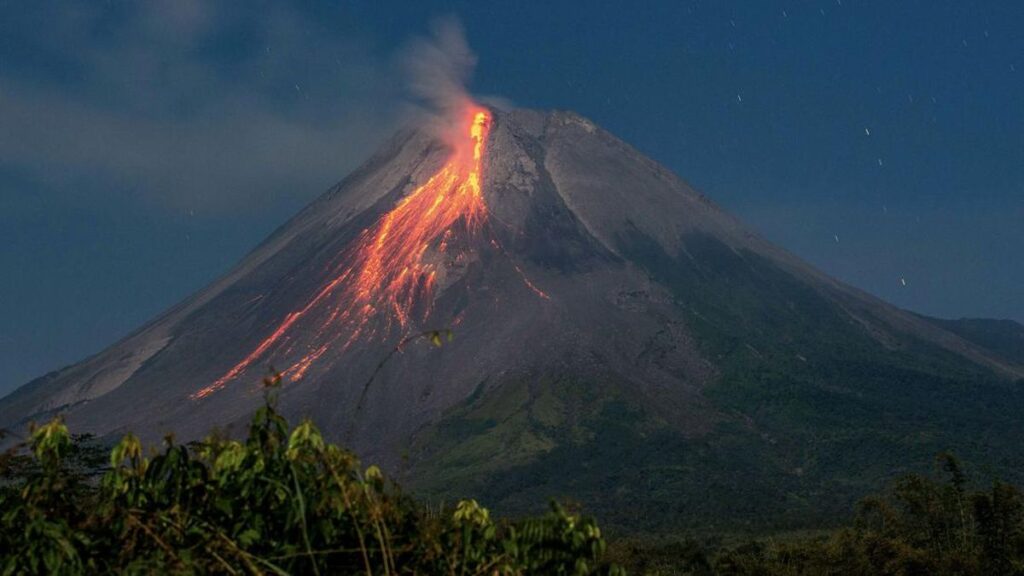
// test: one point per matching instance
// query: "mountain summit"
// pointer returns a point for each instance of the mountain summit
(618, 339)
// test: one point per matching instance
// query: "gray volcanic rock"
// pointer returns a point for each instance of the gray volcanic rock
(606, 311)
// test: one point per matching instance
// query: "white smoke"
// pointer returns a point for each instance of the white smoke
(438, 68)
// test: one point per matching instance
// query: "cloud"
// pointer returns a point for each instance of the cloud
(177, 19)
(187, 105)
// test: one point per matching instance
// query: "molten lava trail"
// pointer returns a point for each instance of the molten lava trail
(390, 268)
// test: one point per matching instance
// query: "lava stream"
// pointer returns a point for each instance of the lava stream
(387, 271)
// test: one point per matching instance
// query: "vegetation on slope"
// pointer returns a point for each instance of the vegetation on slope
(285, 502)
(920, 526)
(281, 502)
(1003, 337)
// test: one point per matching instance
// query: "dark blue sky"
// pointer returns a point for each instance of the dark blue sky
(145, 147)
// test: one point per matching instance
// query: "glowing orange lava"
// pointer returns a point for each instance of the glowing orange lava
(390, 269)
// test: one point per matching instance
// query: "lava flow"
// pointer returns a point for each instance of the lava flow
(388, 271)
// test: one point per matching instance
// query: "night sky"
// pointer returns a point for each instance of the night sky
(147, 146)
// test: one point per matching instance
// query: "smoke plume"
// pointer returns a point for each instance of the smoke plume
(437, 68)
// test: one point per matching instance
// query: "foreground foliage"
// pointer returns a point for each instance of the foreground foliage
(281, 502)
(921, 526)
(286, 502)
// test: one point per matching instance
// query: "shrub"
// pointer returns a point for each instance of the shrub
(283, 501)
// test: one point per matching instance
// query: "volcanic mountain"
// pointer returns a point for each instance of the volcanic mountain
(617, 339)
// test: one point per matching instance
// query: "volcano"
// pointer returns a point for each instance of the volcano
(617, 339)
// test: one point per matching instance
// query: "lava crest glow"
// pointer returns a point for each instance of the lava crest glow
(390, 271)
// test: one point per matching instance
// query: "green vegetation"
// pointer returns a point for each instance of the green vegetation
(285, 502)
(921, 526)
(281, 502)
(1004, 337)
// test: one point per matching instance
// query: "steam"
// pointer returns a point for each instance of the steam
(437, 68)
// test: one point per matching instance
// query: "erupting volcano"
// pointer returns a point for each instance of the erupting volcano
(618, 339)
(388, 273)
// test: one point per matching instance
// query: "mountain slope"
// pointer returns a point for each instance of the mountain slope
(618, 339)
(1004, 338)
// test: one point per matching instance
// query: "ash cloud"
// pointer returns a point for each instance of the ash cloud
(164, 100)
(437, 69)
